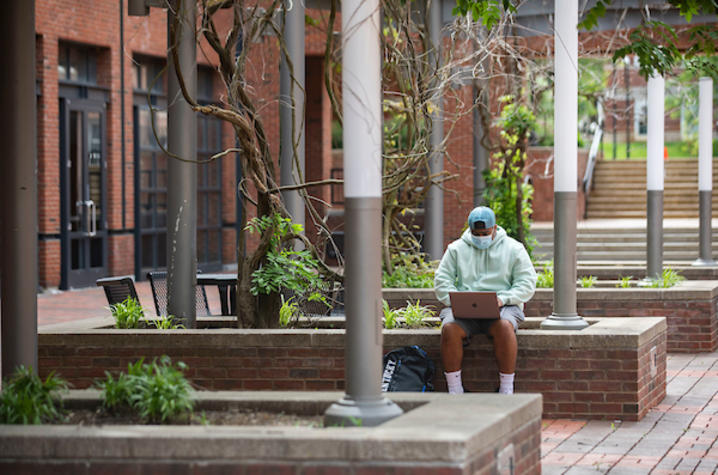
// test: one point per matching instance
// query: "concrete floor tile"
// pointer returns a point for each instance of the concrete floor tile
(709, 466)
(581, 470)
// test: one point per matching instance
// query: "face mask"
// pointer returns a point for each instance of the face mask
(482, 242)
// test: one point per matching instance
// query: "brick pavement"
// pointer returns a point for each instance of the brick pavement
(678, 436)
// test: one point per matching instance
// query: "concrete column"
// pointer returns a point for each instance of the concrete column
(481, 154)
(434, 205)
(565, 174)
(363, 404)
(182, 176)
(18, 171)
(654, 178)
(705, 171)
(291, 109)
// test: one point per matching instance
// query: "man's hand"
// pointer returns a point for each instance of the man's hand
(498, 300)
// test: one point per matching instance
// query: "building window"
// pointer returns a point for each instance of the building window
(77, 64)
(149, 73)
(151, 165)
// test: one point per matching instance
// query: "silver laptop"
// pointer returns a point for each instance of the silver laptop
(474, 304)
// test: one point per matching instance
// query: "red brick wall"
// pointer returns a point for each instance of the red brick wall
(539, 166)
(692, 324)
(607, 383)
(692, 321)
(98, 25)
(49, 262)
(121, 246)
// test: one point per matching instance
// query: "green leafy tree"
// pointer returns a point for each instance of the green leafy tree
(655, 42)
(506, 192)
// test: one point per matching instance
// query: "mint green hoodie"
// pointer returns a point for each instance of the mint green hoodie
(504, 267)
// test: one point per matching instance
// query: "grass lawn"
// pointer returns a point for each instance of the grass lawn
(638, 150)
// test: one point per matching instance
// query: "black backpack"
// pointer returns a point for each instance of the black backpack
(408, 369)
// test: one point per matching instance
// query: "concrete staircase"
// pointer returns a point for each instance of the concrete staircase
(619, 189)
(624, 240)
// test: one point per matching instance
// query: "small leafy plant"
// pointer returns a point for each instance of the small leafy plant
(544, 278)
(156, 392)
(625, 282)
(288, 311)
(166, 322)
(414, 315)
(587, 282)
(127, 314)
(26, 399)
(668, 279)
(390, 316)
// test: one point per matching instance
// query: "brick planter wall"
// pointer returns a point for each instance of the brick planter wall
(690, 308)
(600, 372)
(479, 434)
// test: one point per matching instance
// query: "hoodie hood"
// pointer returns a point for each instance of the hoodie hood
(500, 236)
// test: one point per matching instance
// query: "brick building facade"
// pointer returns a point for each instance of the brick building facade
(102, 173)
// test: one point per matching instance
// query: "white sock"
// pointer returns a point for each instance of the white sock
(453, 382)
(506, 383)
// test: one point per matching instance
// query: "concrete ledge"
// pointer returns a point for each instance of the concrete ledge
(611, 271)
(614, 369)
(474, 433)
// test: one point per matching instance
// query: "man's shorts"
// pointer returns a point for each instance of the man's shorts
(472, 326)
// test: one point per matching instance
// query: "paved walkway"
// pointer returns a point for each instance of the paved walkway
(679, 436)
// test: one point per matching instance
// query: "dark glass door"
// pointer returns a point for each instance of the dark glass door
(83, 197)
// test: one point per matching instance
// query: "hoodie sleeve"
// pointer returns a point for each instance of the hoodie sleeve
(445, 276)
(523, 280)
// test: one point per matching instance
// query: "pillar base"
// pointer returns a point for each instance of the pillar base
(348, 412)
(704, 263)
(564, 322)
(646, 282)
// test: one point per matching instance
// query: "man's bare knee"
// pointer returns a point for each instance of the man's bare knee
(502, 329)
(451, 332)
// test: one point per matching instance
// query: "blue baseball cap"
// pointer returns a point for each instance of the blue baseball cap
(482, 218)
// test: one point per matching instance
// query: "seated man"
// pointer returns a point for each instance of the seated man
(484, 259)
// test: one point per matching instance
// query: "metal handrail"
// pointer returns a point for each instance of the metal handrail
(592, 156)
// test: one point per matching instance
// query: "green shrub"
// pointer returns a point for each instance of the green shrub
(390, 316)
(625, 282)
(26, 399)
(669, 278)
(127, 314)
(544, 278)
(411, 271)
(156, 392)
(283, 266)
(415, 314)
(587, 282)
